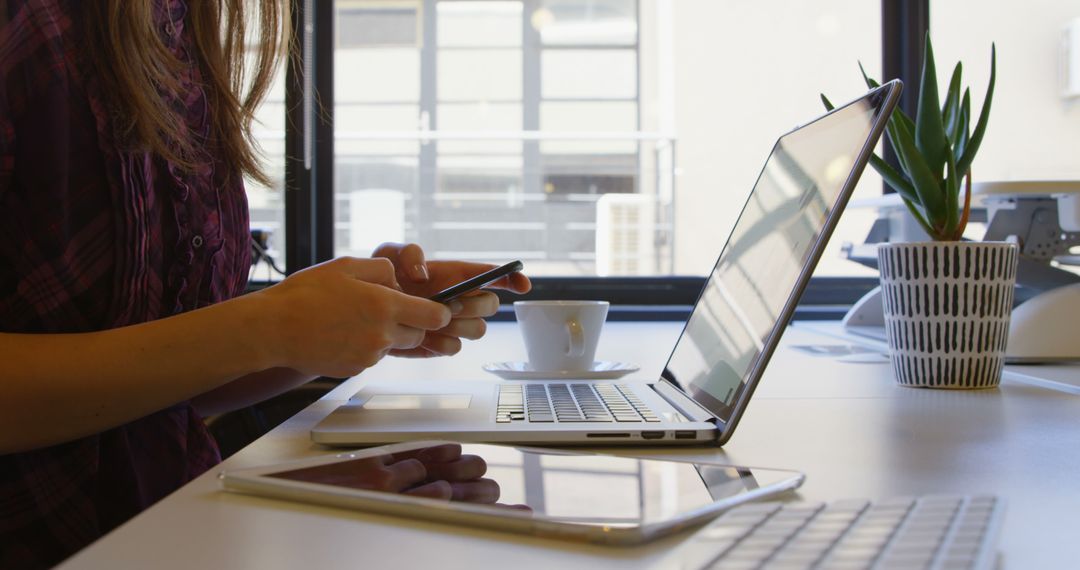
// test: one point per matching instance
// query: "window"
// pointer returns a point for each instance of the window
(587, 137)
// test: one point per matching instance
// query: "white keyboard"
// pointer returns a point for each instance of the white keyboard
(932, 532)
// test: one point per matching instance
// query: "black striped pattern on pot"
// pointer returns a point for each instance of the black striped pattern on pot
(947, 309)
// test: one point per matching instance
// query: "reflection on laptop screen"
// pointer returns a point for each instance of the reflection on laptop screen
(759, 268)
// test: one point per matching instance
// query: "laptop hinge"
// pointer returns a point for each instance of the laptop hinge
(680, 401)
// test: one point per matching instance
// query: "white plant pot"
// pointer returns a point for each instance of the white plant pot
(947, 308)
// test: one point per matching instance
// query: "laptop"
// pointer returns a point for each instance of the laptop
(735, 325)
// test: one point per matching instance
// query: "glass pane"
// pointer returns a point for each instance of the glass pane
(360, 117)
(266, 203)
(601, 125)
(478, 211)
(387, 25)
(377, 115)
(607, 74)
(479, 116)
(376, 75)
(586, 22)
(484, 120)
(373, 195)
(475, 24)
(479, 75)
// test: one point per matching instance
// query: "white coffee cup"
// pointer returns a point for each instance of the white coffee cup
(561, 335)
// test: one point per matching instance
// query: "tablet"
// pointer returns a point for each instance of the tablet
(552, 493)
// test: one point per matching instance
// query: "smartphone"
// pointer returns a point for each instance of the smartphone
(477, 282)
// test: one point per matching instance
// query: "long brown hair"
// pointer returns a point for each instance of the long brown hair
(135, 68)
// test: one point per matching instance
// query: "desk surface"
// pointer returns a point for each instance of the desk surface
(846, 425)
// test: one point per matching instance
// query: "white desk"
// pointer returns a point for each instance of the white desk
(847, 426)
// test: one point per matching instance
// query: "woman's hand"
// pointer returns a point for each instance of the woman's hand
(438, 472)
(340, 317)
(425, 278)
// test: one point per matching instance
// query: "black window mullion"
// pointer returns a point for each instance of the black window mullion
(299, 241)
(904, 24)
(324, 130)
(309, 165)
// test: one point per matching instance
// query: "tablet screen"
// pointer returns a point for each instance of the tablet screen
(571, 488)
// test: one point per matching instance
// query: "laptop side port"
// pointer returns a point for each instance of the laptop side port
(652, 435)
(607, 435)
(685, 434)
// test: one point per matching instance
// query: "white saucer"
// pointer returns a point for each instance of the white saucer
(522, 371)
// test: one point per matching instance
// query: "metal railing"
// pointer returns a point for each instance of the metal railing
(439, 216)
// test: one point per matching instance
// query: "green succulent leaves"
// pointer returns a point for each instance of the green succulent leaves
(936, 149)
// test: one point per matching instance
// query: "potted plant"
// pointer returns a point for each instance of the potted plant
(947, 301)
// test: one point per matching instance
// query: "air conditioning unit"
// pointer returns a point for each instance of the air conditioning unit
(626, 235)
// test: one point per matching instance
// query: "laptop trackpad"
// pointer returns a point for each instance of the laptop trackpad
(418, 402)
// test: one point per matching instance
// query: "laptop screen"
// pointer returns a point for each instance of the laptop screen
(760, 272)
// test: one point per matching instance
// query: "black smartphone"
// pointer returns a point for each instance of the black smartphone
(477, 282)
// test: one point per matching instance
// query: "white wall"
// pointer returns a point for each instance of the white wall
(745, 72)
(1033, 132)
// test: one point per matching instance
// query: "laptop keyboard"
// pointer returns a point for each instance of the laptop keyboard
(946, 533)
(545, 402)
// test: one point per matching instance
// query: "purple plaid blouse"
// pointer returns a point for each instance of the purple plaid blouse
(93, 237)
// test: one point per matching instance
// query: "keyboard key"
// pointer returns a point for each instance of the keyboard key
(795, 558)
(781, 525)
(857, 505)
(725, 532)
(738, 565)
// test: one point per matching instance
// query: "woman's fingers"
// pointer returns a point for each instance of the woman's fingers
(406, 338)
(418, 352)
(479, 304)
(441, 453)
(418, 312)
(408, 259)
(404, 474)
(466, 468)
(515, 282)
(485, 491)
(444, 342)
(471, 329)
(438, 344)
(378, 271)
(439, 490)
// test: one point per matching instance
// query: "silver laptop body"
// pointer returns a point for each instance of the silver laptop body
(736, 323)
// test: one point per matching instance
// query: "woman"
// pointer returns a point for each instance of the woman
(124, 139)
